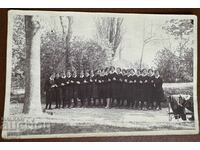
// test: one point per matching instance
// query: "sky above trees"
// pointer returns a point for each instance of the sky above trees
(134, 29)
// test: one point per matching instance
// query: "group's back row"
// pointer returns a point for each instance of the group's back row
(141, 89)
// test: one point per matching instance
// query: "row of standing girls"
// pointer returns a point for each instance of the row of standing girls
(109, 87)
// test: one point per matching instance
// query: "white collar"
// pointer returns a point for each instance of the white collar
(64, 76)
(157, 76)
(51, 78)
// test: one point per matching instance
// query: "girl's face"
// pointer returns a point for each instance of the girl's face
(150, 72)
(118, 70)
(132, 72)
(102, 73)
(112, 69)
(53, 75)
(87, 74)
(57, 75)
(63, 74)
(138, 72)
(99, 72)
(124, 72)
(92, 73)
(68, 74)
(81, 73)
(157, 73)
(145, 72)
(74, 74)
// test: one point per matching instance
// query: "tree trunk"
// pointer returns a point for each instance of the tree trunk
(32, 102)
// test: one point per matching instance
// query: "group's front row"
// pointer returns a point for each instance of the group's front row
(109, 87)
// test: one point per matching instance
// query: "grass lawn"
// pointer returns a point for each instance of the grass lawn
(100, 120)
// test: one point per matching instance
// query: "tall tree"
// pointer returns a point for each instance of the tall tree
(181, 29)
(110, 29)
(66, 23)
(32, 103)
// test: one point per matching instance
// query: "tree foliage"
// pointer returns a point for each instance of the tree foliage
(176, 64)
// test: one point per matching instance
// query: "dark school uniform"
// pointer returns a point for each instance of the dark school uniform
(90, 89)
(139, 88)
(107, 86)
(87, 87)
(82, 95)
(75, 89)
(145, 88)
(114, 83)
(93, 90)
(125, 87)
(101, 87)
(95, 87)
(63, 91)
(119, 87)
(98, 83)
(71, 88)
(58, 92)
(68, 91)
(132, 89)
(159, 93)
(48, 90)
(150, 90)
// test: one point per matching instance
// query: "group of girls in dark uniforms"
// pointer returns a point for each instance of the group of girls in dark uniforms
(109, 87)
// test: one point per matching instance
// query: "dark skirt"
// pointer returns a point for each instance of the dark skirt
(94, 91)
(119, 90)
(138, 93)
(106, 91)
(150, 93)
(70, 91)
(49, 96)
(75, 91)
(114, 90)
(82, 92)
(159, 95)
(132, 92)
(124, 94)
(87, 91)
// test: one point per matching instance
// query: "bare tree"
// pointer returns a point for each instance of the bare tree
(110, 29)
(32, 102)
(151, 37)
(67, 34)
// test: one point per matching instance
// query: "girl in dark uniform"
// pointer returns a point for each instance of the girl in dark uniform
(132, 88)
(63, 89)
(138, 93)
(159, 93)
(150, 88)
(58, 90)
(114, 83)
(124, 86)
(129, 83)
(49, 90)
(75, 83)
(82, 93)
(98, 83)
(91, 88)
(87, 86)
(69, 89)
(107, 87)
(144, 89)
(102, 100)
(119, 86)
(95, 87)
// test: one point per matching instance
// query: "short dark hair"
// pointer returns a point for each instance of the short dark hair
(150, 70)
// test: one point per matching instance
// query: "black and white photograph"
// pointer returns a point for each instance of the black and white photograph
(89, 74)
